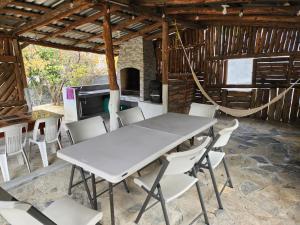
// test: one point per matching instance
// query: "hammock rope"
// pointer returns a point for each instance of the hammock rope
(230, 111)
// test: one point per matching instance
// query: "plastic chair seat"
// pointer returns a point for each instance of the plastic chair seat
(172, 185)
(67, 212)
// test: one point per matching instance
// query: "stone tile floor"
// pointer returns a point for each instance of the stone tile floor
(264, 161)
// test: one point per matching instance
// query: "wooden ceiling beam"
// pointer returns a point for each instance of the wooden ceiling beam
(127, 37)
(75, 24)
(59, 46)
(141, 32)
(257, 10)
(62, 11)
(190, 2)
(281, 19)
(30, 6)
(19, 12)
(119, 26)
(4, 3)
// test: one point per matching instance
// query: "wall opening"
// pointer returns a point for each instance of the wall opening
(130, 81)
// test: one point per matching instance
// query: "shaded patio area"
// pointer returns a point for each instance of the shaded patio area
(264, 162)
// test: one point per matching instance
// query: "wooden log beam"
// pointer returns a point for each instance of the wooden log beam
(257, 10)
(4, 3)
(119, 26)
(127, 37)
(109, 52)
(141, 32)
(21, 12)
(114, 100)
(30, 6)
(59, 46)
(62, 11)
(236, 18)
(12, 103)
(190, 2)
(75, 24)
(165, 64)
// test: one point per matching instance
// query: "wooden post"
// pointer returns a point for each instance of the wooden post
(114, 102)
(165, 64)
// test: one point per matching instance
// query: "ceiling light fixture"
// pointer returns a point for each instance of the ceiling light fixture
(225, 9)
(286, 4)
(241, 13)
(298, 13)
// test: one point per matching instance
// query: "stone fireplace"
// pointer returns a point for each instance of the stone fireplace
(136, 67)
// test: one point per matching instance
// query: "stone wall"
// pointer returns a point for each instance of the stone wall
(139, 54)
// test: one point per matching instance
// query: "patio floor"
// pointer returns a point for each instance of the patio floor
(264, 161)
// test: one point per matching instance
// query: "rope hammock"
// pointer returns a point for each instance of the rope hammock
(230, 111)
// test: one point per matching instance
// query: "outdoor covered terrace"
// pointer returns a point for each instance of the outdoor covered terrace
(215, 141)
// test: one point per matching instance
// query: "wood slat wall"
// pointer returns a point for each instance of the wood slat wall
(12, 78)
(209, 49)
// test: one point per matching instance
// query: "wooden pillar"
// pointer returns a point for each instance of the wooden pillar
(165, 63)
(114, 101)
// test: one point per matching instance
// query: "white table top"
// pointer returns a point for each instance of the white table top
(180, 124)
(118, 154)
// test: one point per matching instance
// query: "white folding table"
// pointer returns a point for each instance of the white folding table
(120, 153)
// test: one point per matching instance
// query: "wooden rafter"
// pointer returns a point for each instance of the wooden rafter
(188, 2)
(141, 32)
(117, 27)
(4, 3)
(75, 24)
(60, 46)
(19, 12)
(64, 10)
(127, 37)
(236, 18)
(253, 10)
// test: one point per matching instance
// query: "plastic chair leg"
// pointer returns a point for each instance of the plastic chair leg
(227, 174)
(59, 144)
(43, 151)
(26, 161)
(4, 167)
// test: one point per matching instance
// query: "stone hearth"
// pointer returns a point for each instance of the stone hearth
(138, 54)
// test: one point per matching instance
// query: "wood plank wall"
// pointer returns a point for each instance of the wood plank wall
(210, 49)
(12, 78)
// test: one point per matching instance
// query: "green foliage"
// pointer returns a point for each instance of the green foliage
(51, 69)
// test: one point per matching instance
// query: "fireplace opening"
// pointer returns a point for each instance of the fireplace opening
(130, 81)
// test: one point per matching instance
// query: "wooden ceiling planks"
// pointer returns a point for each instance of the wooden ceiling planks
(62, 22)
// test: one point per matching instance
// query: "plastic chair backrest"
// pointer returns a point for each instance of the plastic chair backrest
(16, 213)
(203, 110)
(85, 129)
(130, 116)
(182, 162)
(51, 130)
(13, 137)
(225, 134)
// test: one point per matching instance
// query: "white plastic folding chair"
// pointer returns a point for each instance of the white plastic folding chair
(61, 212)
(203, 110)
(14, 145)
(215, 156)
(172, 179)
(51, 136)
(80, 131)
(129, 116)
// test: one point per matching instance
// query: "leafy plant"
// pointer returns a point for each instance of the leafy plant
(50, 69)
